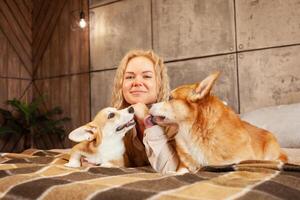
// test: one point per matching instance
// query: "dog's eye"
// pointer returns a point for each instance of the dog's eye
(110, 115)
(170, 97)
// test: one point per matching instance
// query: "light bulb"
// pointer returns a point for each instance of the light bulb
(82, 23)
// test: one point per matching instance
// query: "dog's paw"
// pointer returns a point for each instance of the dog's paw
(107, 165)
(73, 164)
(92, 160)
(182, 171)
(170, 172)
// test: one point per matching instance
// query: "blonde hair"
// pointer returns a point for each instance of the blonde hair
(162, 79)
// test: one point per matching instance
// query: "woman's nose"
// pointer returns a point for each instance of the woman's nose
(137, 82)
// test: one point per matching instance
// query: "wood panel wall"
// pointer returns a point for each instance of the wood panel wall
(15, 60)
(61, 63)
(15, 23)
(41, 55)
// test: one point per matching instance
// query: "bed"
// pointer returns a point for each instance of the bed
(41, 174)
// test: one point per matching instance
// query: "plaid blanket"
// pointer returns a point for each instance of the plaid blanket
(40, 174)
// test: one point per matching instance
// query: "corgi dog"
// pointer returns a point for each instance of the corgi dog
(209, 132)
(101, 141)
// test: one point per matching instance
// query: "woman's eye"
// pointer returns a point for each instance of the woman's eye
(110, 115)
(147, 76)
(129, 77)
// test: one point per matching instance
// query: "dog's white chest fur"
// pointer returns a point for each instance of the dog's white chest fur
(112, 148)
(106, 131)
(186, 142)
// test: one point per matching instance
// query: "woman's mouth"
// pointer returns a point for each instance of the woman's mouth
(137, 92)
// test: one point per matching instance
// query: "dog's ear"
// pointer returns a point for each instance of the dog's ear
(98, 136)
(204, 87)
(82, 133)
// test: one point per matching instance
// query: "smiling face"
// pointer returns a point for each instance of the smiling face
(139, 83)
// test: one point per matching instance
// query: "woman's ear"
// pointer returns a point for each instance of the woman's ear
(204, 87)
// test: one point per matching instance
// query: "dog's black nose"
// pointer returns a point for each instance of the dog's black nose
(130, 110)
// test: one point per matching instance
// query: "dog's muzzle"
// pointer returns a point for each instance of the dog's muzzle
(150, 120)
(128, 124)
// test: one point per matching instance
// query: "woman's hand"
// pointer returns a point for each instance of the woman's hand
(140, 111)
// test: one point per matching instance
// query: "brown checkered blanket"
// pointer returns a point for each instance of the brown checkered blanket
(40, 174)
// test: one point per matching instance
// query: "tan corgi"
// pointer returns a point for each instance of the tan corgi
(209, 132)
(101, 141)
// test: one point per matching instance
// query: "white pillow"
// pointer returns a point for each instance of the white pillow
(283, 121)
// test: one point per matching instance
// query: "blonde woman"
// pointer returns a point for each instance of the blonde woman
(142, 77)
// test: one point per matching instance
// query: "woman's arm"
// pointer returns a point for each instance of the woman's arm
(157, 141)
(160, 151)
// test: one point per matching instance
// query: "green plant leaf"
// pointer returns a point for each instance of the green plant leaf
(6, 129)
(34, 105)
(20, 107)
(55, 111)
(31, 120)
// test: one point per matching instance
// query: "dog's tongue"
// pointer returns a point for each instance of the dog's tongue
(151, 120)
(148, 121)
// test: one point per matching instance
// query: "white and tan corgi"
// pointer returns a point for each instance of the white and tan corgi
(209, 132)
(101, 141)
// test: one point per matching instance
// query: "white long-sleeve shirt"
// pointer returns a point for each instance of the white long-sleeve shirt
(158, 148)
(158, 144)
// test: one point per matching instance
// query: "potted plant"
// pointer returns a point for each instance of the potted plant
(30, 121)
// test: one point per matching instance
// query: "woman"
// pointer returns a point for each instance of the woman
(142, 78)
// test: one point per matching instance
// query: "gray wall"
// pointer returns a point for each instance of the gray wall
(254, 43)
